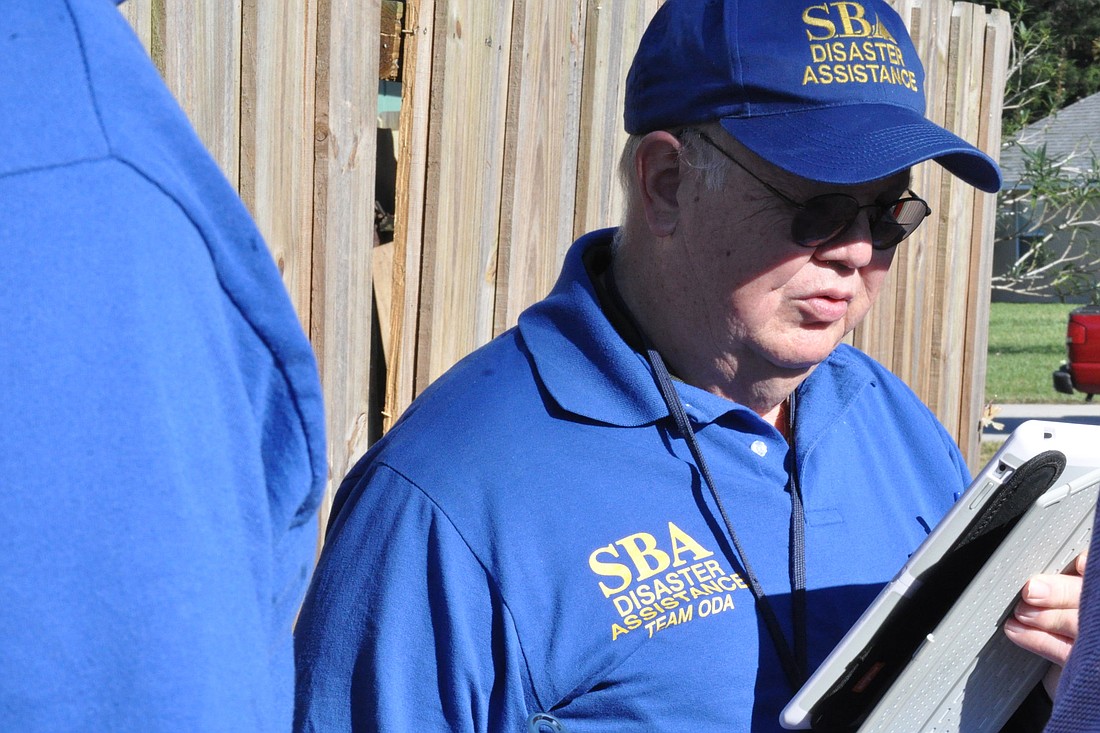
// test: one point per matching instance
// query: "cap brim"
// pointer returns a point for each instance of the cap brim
(857, 144)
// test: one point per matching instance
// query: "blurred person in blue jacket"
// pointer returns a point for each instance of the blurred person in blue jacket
(161, 422)
(1077, 704)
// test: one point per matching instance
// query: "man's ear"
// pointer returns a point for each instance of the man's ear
(657, 166)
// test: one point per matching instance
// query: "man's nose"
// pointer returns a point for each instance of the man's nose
(851, 248)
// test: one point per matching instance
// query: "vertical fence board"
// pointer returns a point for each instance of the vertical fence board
(875, 335)
(140, 17)
(878, 334)
(465, 169)
(964, 83)
(601, 92)
(345, 131)
(202, 67)
(613, 29)
(277, 136)
(952, 204)
(926, 353)
(881, 335)
(896, 332)
(412, 156)
(997, 44)
(540, 157)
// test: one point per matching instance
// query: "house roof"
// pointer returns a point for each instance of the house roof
(1071, 134)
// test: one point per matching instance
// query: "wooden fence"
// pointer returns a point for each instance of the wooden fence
(509, 135)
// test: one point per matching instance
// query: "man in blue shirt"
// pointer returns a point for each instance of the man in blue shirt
(659, 501)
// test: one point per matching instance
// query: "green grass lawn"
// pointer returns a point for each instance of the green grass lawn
(1027, 341)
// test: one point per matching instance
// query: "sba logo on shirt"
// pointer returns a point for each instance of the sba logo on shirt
(645, 556)
(675, 575)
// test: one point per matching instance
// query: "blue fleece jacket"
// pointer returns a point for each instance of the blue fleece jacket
(161, 427)
(1077, 704)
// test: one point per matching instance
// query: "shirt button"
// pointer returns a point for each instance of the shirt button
(760, 448)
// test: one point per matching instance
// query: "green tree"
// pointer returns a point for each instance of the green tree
(1056, 57)
(1051, 213)
(1054, 213)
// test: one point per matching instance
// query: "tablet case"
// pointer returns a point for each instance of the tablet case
(928, 655)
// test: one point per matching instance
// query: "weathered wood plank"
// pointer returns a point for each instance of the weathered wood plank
(277, 134)
(381, 268)
(344, 135)
(140, 17)
(997, 43)
(612, 31)
(465, 169)
(876, 335)
(953, 246)
(921, 363)
(411, 188)
(540, 157)
(879, 335)
(389, 51)
(202, 67)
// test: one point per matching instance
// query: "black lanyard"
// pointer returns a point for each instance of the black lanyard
(794, 662)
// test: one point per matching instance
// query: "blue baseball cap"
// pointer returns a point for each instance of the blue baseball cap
(829, 91)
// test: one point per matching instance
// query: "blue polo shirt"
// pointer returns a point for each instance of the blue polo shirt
(534, 536)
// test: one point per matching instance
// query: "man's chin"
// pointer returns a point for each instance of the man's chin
(808, 353)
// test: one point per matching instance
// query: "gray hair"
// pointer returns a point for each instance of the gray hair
(694, 153)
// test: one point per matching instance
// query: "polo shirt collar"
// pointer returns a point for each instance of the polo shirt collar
(585, 365)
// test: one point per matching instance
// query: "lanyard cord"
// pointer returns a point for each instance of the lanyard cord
(794, 663)
(798, 551)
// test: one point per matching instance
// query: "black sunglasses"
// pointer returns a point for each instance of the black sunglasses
(823, 218)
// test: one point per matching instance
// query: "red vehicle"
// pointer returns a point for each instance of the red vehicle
(1081, 371)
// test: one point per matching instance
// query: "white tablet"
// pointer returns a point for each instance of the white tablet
(928, 654)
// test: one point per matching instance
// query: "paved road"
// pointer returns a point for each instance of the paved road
(1010, 416)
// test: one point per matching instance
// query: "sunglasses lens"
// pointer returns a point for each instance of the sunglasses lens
(896, 222)
(822, 218)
